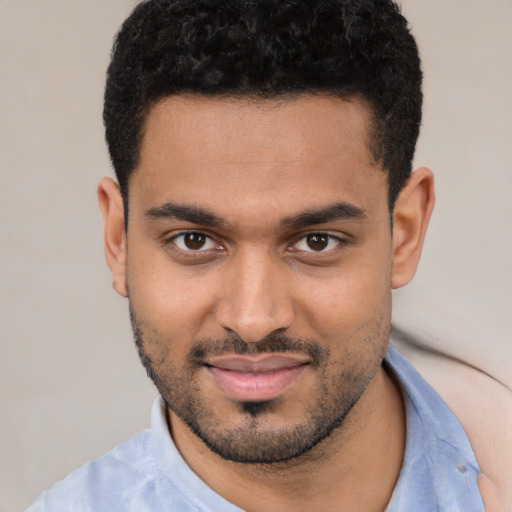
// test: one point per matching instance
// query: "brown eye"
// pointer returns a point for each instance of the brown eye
(193, 241)
(317, 242)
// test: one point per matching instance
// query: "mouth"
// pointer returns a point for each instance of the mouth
(255, 378)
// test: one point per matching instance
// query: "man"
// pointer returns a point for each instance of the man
(265, 209)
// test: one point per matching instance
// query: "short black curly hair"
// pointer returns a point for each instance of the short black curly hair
(268, 49)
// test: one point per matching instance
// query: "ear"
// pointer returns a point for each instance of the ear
(410, 221)
(111, 206)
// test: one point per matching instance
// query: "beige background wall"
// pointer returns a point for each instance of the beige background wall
(71, 386)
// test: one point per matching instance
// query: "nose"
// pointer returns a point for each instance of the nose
(255, 300)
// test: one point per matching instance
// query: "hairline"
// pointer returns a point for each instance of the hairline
(273, 100)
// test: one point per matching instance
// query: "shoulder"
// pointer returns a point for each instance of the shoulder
(439, 470)
(125, 479)
(121, 475)
(145, 474)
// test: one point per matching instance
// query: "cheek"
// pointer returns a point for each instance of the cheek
(174, 301)
(350, 302)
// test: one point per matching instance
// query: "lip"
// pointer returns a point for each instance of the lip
(255, 378)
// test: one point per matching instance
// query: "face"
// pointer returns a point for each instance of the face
(258, 268)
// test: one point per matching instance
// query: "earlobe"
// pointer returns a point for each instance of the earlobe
(411, 216)
(112, 211)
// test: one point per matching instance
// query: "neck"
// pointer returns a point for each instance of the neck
(356, 468)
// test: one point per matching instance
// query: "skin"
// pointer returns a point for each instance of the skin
(490, 495)
(255, 165)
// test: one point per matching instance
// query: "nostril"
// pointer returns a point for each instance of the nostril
(252, 310)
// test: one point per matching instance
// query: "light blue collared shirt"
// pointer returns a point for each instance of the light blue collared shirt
(147, 473)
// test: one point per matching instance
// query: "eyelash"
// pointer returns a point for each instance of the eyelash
(321, 234)
(196, 252)
(173, 238)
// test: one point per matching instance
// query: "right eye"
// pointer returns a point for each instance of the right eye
(193, 241)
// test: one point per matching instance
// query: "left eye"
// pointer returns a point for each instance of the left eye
(317, 242)
(194, 241)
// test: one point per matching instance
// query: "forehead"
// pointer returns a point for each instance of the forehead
(219, 151)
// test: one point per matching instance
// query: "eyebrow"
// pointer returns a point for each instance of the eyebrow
(193, 214)
(204, 217)
(338, 211)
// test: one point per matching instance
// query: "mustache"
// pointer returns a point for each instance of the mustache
(273, 343)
